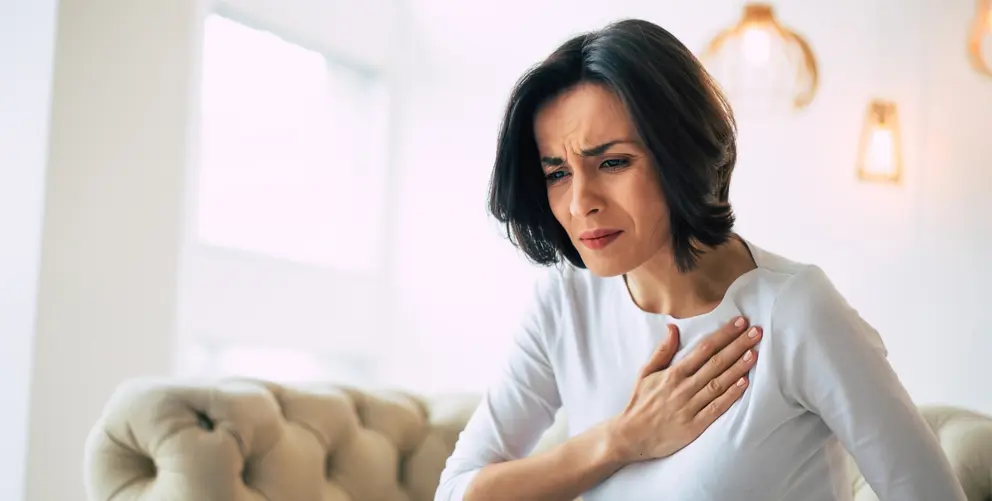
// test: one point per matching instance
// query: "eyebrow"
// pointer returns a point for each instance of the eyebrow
(595, 151)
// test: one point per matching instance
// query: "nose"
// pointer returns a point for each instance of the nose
(586, 199)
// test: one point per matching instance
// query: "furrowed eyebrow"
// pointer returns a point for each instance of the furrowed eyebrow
(591, 152)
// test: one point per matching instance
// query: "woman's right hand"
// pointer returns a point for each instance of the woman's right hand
(672, 405)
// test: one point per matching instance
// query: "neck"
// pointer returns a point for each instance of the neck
(657, 286)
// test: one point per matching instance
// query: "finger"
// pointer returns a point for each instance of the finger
(717, 407)
(722, 361)
(718, 386)
(712, 344)
(663, 355)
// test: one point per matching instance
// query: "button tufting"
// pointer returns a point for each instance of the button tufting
(328, 465)
(204, 421)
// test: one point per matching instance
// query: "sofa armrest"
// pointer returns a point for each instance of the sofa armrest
(241, 440)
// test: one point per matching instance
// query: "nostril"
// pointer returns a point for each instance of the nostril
(204, 421)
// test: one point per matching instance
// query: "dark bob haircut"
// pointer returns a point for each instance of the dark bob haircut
(679, 112)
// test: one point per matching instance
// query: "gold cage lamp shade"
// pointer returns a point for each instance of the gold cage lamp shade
(880, 149)
(980, 38)
(758, 57)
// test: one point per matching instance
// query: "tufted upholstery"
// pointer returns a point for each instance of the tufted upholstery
(242, 440)
(245, 440)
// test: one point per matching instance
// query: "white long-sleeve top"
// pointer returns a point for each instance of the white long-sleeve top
(822, 391)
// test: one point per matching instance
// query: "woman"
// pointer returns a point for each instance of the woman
(615, 156)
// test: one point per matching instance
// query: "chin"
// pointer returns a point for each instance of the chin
(606, 267)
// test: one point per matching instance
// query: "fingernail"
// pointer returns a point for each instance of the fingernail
(753, 332)
(740, 322)
(747, 356)
(741, 382)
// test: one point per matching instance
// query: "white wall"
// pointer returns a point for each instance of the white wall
(27, 44)
(124, 79)
(955, 220)
(910, 257)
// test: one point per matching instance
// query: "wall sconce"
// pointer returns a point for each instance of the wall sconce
(980, 39)
(759, 57)
(880, 151)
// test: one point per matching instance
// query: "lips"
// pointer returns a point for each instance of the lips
(597, 233)
(599, 239)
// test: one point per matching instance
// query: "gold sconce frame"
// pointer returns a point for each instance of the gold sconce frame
(981, 29)
(759, 19)
(880, 149)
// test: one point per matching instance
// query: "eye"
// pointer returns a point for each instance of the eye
(614, 163)
(556, 176)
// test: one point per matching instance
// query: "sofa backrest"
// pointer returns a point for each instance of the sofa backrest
(246, 440)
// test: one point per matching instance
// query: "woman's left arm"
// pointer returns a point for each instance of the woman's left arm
(836, 367)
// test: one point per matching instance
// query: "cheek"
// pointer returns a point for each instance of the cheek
(645, 202)
(558, 200)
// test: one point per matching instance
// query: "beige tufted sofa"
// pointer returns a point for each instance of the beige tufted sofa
(245, 440)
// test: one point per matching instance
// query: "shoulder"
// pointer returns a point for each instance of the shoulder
(564, 294)
(567, 288)
(795, 287)
(808, 290)
(808, 309)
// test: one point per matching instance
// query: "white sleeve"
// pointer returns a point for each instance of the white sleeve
(836, 367)
(516, 410)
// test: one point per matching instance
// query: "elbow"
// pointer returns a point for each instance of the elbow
(458, 487)
(472, 492)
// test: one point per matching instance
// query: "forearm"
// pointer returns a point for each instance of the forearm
(562, 473)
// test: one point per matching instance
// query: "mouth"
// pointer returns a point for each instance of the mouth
(599, 239)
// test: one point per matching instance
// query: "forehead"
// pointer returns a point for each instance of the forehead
(583, 116)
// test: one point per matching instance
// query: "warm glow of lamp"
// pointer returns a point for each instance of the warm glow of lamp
(880, 151)
(980, 39)
(757, 45)
(759, 59)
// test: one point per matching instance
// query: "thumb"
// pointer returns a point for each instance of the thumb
(663, 355)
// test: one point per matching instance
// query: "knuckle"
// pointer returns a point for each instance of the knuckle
(715, 386)
(717, 360)
(674, 374)
(713, 408)
(706, 346)
(663, 351)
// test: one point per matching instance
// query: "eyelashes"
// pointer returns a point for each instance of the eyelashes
(610, 164)
(555, 176)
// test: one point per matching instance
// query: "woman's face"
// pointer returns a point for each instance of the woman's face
(600, 179)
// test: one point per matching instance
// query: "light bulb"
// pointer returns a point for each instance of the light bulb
(758, 61)
(880, 158)
(757, 45)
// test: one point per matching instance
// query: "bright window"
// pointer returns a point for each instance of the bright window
(286, 261)
(293, 152)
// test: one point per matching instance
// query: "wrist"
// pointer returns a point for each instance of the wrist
(612, 450)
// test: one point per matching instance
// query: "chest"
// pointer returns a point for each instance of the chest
(761, 449)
